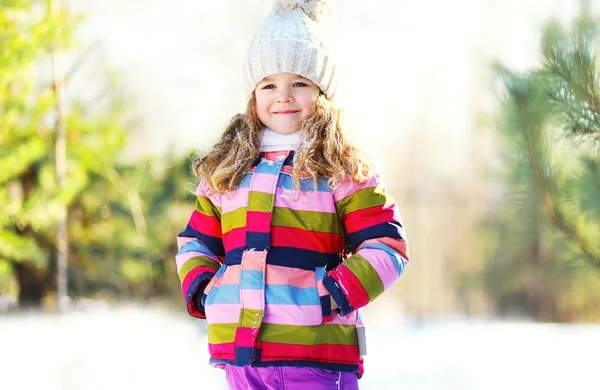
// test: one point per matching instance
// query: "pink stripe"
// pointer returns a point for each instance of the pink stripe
(319, 201)
(397, 244)
(234, 200)
(254, 260)
(184, 257)
(223, 313)
(293, 315)
(337, 319)
(321, 289)
(232, 275)
(383, 264)
(294, 277)
(204, 190)
(252, 299)
(349, 187)
(263, 182)
(181, 241)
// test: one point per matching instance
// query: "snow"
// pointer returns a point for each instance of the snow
(134, 347)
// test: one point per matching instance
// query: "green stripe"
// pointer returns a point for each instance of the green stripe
(233, 220)
(366, 275)
(195, 262)
(206, 207)
(251, 318)
(260, 201)
(288, 334)
(221, 333)
(314, 221)
(364, 199)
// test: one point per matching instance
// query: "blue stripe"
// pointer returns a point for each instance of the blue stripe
(320, 273)
(326, 305)
(288, 295)
(338, 296)
(385, 229)
(285, 182)
(194, 285)
(291, 257)
(252, 279)
(293, 363)
(225, 293)
(213, 243)
(271, 168)
(221, 271)
(195, 246)
(257, 241)
(244, 356)
(246, 180)
(399, 261)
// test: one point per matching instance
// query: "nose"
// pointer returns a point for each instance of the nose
(285, 95)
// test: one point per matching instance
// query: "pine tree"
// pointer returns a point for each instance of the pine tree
(549, 226)
(31, 201)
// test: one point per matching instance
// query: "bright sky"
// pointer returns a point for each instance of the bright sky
(406, 65)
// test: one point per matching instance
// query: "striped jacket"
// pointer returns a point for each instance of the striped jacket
(267, 259)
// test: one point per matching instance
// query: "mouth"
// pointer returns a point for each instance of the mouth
(285, 112)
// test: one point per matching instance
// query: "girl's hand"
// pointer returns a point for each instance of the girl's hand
(333, 303)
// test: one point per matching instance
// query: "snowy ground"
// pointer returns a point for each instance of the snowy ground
(134, 348)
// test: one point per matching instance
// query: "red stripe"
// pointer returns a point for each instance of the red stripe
(234, 238)
(257, 221)
(351, 286)
(218, 350)
(302, 239)
(246, 337)
(331, 353)
(189, 278)
(204, 224)
(365, 218)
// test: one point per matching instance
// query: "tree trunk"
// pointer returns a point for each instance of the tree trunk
(32, 285)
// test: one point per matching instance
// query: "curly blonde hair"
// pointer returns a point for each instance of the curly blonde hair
(324, 151)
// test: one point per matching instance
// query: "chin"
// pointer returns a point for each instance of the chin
(286, 131)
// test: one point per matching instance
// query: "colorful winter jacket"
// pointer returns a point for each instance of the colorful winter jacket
(267, 259)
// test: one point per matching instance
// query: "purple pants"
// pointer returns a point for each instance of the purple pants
(288, 378)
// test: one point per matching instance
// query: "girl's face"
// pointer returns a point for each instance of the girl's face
(284, 101)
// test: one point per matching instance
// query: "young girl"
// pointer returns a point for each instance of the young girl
(292, 231)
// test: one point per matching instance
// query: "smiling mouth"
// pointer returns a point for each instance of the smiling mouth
(285, 112)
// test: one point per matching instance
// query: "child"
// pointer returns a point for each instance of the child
(292, 232)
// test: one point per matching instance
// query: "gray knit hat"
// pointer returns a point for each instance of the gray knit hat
(293, 39)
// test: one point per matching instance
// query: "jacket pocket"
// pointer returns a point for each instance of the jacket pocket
(208, 296)
(324, 297)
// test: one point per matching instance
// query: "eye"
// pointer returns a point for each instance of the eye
(300, 84)
(268, 86)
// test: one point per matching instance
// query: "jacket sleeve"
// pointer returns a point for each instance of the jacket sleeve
(201, 251)
(378, 241)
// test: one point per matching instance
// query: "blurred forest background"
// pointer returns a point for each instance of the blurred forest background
(514, 233)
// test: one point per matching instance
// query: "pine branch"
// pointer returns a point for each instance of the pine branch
(527, 106)
(570, 78)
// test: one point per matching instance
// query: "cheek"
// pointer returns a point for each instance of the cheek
(262, 109)
(309, 106)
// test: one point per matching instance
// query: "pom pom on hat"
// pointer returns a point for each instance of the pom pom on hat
(315, 9)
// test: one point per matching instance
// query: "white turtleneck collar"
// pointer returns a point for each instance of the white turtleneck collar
(272, 141)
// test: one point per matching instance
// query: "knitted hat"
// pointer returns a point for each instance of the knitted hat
(292, 39)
